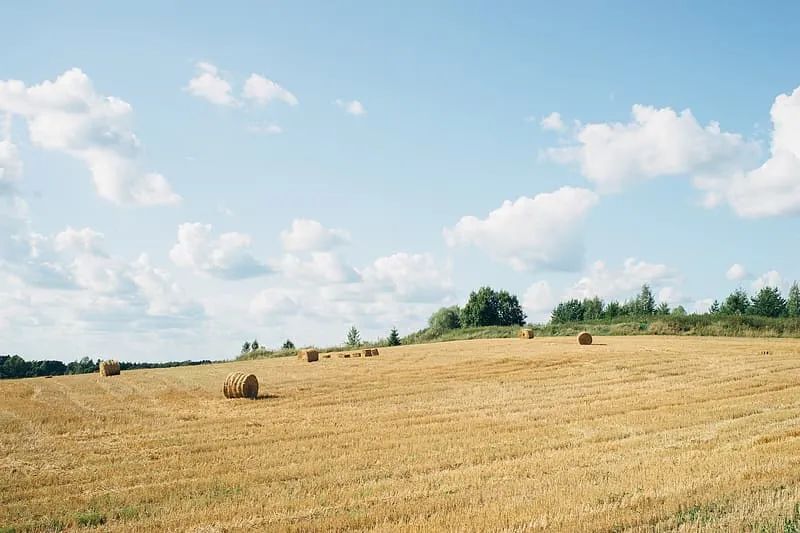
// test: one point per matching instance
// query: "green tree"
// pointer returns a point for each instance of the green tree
(715, 308)
(613, 309)
(569, 311)
(481, 309)
(592, 308)
(445, 318)
(353, 337)
(246, 347)
(768, 302)
(645, 302)
(394, 338)
(288, 345)
(662, 309)
(737, 303)
(629, 308)
(509, 311)
(793, 302)
(679, 311)
(254, 345)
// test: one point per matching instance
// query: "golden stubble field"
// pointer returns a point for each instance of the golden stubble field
(641, 433)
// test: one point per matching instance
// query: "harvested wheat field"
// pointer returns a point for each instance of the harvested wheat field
(641, 433)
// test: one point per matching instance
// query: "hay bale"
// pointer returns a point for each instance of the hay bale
(109, 368)
(585, 338)
(326, 356)
(342, 355)
(249, 388)
(240, 385)
(228, 387)
(368, 352)
(308, 355)
(375, 352)
(525, 333)
(356, 354)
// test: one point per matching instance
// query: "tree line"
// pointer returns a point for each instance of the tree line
(767, 302)
(14, 366)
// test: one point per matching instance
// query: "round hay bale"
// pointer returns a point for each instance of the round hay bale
(250, 387)
(375, 352)
(356, 354)
(584, 338)
(368, 352)
(109, 368)
(525, 333)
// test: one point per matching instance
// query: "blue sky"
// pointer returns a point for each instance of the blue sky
(175, 180)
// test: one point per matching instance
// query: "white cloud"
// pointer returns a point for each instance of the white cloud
(607, 283)
(531, 233)
(227, 256)
(539, 300)
(10, 167)
(274, 303)
(210, 85)
(672, 295)
(265, 129)
(263, 91)
(164, 297)
(657, 142)
(552, 122)
(737, 272)
(774, 187)
(772, 278)
(308, 235)
(68, 116)
(354, 107)
(84, 240)
(321, 268)
(410, 277)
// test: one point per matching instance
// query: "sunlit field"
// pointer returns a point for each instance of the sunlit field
(646, 433)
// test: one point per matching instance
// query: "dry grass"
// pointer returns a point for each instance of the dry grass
(641, 433)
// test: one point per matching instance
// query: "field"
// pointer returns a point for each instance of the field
(641, 433)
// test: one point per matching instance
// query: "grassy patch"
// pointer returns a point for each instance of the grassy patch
(90, 518)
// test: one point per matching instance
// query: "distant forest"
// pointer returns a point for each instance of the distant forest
(14, 366)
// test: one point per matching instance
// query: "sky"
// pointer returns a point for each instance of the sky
(176, 179)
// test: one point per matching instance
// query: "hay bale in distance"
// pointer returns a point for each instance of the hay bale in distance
(326, 356)
(525, 333)
(368, 352)
(585, 338)
(109, 368)
(375, 352)
(342, 355)
(308, 355)
(356, 354)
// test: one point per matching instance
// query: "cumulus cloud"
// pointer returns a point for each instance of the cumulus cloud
(774, 187)
(210, 85)
(263, 91)
(307, 235)
(164, 297)
(539, 299)
(737, 272)
(531, 233)
(772, 278)
(10, 167)
(354, 107)
(658, 141)
(552, 122)
(274, 303)
(227, 256)
(608, 283)
(410, 277)
(320, 268)
(68, 116)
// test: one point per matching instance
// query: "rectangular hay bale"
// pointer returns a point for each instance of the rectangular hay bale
(308, 355)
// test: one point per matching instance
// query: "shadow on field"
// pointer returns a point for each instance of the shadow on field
(267, 396)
